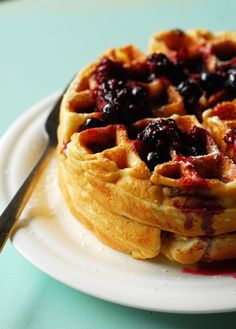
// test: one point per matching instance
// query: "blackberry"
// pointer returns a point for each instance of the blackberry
(110, 113)
(195, 142)
(191, 92)
(161, 132)
(160, 65)
(108, 69)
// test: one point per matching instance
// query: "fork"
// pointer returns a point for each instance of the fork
(14, 209)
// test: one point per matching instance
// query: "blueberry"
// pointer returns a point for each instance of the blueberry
(177, 73)
(230, 82)
(191, 93)
(154, 158)
(92, 123)
(211, 82)
(139, 93)
(195, 64)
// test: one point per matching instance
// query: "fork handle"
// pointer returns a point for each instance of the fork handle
(14, 209)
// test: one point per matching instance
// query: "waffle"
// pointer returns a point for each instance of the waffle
(146, 147)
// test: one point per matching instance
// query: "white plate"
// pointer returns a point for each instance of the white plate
(49, 237)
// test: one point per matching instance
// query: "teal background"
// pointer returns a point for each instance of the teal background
(42, 44)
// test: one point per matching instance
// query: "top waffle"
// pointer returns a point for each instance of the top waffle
(152, 136)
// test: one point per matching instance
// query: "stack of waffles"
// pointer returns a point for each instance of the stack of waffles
(147, 147)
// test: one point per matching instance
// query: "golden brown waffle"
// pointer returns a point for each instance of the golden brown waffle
(221, 122)
(144, 164)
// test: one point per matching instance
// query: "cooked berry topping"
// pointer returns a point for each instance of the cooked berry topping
(121, 92)
(161, 132)
(191, 93)
(196, 142)
(230, 136)
(92, 123)
(230, 82)
(110, 113)
(110, 89)
(178, 73)
(139, 92)
(123, 102)
(108, 69)
(211, 82)
(195, 64)
(160, 65)
(162, 137)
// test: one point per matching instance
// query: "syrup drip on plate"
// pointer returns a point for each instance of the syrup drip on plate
(222, 268)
